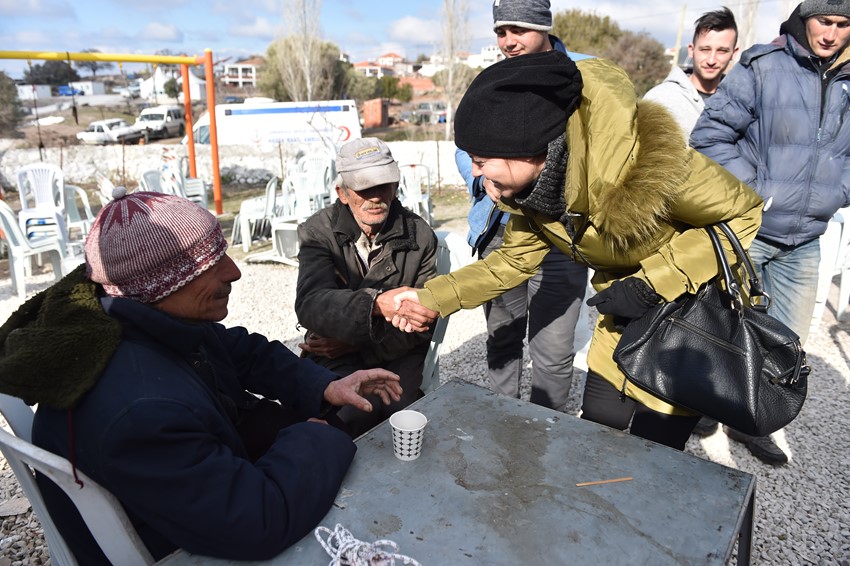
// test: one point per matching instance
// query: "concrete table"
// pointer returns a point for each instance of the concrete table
(496, 484)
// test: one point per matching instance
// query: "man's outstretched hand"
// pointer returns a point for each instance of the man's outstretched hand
(401, 307)
(349, 390)
(326, 347)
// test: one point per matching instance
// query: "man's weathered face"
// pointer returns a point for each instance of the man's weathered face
(204, 298)
(827, 35)
(515, 41)
(370, 207)
(712, 51)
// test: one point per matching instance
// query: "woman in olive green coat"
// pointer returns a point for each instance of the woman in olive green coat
(619, 191)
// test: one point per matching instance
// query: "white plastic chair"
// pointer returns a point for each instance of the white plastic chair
(834, 260)
(310, 183)
(150, 181)
(255, 215)
(19, 417)
(452, 254)
(41, 188)
(104, 189)
(842, 266)
(80, 215)
(196, 191)
(102, 513)
(415, 178)
(22, 248)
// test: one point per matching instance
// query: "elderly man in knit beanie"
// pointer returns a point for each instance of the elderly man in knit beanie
(141, 388)
(778, 122)
(547, 306)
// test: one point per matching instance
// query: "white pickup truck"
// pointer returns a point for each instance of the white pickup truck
(113, 130)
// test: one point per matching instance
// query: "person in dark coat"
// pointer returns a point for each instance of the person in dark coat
(349, 254)
(140, 388)
(778, 123)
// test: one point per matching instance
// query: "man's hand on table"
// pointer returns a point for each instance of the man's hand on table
(326, 347)
(401, 307)
(349, 390)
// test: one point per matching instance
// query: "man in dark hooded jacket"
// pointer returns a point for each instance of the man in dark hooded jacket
(779, 123)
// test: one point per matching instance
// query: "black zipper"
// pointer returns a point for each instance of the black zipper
(703, 334)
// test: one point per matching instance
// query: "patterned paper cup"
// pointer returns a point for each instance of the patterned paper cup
(408, 431)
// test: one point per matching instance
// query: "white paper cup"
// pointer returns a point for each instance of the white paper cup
(408, 432)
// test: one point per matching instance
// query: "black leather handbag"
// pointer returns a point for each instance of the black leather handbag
(717, 355)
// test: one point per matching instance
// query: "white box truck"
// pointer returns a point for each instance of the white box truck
(334, 121)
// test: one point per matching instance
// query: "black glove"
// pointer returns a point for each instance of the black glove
(625, 298)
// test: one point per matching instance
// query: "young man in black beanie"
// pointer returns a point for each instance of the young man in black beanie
(778, 122)
(548, 305)
(583, 166)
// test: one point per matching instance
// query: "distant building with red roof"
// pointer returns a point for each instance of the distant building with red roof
(243, 73)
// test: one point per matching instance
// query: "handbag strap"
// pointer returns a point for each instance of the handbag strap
(732, 287)
(759, 299)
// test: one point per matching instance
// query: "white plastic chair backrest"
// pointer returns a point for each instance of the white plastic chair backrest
(19, 416)
(104, 188)
(844, 243)
(78, 215)
(452, 253)
(151, 181)
(271, 198)
(320, 169)
(12, 230)
(415, 177)
(102, 513)
(44, 183)
(9, 225)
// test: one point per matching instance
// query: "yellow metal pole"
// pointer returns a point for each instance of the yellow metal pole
(187, 109)
(210, 78)
(125, 57)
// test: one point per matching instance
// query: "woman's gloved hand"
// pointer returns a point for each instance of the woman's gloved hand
(626, 298)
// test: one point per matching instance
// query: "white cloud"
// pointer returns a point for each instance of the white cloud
(155, 31)
(150, 5)
(31, 38)
(411, 29)
(260, 28)
(51, 9)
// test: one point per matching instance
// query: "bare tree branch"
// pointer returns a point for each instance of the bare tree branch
(455, 39)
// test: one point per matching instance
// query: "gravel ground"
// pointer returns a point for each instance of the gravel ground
(802, 509)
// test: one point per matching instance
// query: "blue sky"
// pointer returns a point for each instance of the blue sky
(363, 28)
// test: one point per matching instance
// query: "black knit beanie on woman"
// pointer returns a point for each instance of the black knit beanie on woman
(517, 106)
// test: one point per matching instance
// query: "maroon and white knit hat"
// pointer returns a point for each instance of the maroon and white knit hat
(145, 246)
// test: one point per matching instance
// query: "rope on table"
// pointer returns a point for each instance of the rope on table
(345, 550)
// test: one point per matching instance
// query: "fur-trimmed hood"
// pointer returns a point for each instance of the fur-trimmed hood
(631, 212)
(630, 178)
(625, 165)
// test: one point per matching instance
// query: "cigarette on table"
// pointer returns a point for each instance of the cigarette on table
(600, 482)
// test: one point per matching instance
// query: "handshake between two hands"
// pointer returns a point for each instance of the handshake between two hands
(401, 308)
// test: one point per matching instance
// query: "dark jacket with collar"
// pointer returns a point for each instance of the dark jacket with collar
(155, 427)
(334, 297)
(779, 123)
